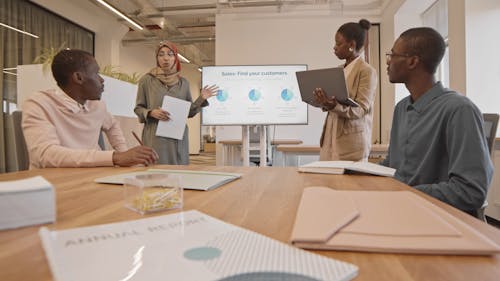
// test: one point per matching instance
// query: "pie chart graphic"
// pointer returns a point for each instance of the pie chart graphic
(287, 94)
(254, 95)
(222, 95)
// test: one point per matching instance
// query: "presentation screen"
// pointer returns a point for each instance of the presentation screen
(254, 95)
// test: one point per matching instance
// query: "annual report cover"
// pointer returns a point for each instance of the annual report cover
(182, 246)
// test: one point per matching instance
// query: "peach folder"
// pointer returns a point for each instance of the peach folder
(382, 221)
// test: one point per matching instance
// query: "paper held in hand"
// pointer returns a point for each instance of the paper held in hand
(179, 110)
(340, 167)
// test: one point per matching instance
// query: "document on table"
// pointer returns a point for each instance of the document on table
(179, 110)
(181, 246)
(356, 220)
(340, 167)
(195, 180)
(26, 201)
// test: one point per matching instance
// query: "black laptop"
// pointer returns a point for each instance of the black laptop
(331, 80)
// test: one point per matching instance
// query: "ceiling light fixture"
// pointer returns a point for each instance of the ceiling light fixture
(114, 10)
(183, 58)
(18, 30)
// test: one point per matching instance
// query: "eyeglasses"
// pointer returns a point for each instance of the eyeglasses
(389, 55)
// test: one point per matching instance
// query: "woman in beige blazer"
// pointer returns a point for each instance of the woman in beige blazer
(347, 130)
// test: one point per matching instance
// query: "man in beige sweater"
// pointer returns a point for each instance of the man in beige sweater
(62, 126)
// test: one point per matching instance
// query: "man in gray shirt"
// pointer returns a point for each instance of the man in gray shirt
(437, 140)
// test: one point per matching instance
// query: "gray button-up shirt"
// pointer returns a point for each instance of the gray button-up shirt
(439, 147)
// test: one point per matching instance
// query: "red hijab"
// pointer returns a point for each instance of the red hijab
(171, 77)
(171, 46)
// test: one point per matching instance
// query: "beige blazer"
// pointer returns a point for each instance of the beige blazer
(347, 130)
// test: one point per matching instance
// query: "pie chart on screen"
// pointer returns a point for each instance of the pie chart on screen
(254, 95)
(286, 95)
(222, 95)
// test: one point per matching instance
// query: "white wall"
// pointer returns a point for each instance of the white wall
(136, 58)
(387, 37)
(273, 38)
(483, 58)
(482, 19)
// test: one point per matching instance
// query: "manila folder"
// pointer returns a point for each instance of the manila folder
(388, 221)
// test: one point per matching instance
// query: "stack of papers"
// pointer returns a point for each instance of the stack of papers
(26, 202)
(182, 246)
(340, 167)
(382, 221)
(196, 180)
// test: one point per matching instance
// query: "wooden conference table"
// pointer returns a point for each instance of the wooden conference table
(264, 200)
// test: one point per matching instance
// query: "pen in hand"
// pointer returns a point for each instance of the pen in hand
(137, 138)
(141, 143)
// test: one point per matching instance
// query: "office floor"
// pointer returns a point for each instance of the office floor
(202, 159)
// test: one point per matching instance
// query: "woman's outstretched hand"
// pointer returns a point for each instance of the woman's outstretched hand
(209, 91)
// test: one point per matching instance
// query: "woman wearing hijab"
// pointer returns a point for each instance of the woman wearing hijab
(347, 130)
(164, 80)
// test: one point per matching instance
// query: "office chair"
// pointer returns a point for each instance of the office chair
(490, 130)
(19, 141)
(101, 141)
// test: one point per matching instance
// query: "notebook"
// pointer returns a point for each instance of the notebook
(332, 80)
(196, 180)
(382, 221)
(341, 167)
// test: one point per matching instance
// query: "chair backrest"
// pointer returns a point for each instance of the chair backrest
(20, 143)
(490, 129)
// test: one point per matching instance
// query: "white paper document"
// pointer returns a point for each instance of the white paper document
(340, 167)
(182, 246)
(179, 110)
(196, 180)
(26, 202)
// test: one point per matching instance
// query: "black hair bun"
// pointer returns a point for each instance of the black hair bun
(365, 24)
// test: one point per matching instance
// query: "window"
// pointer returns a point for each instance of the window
(26, 30)
(436, 16)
